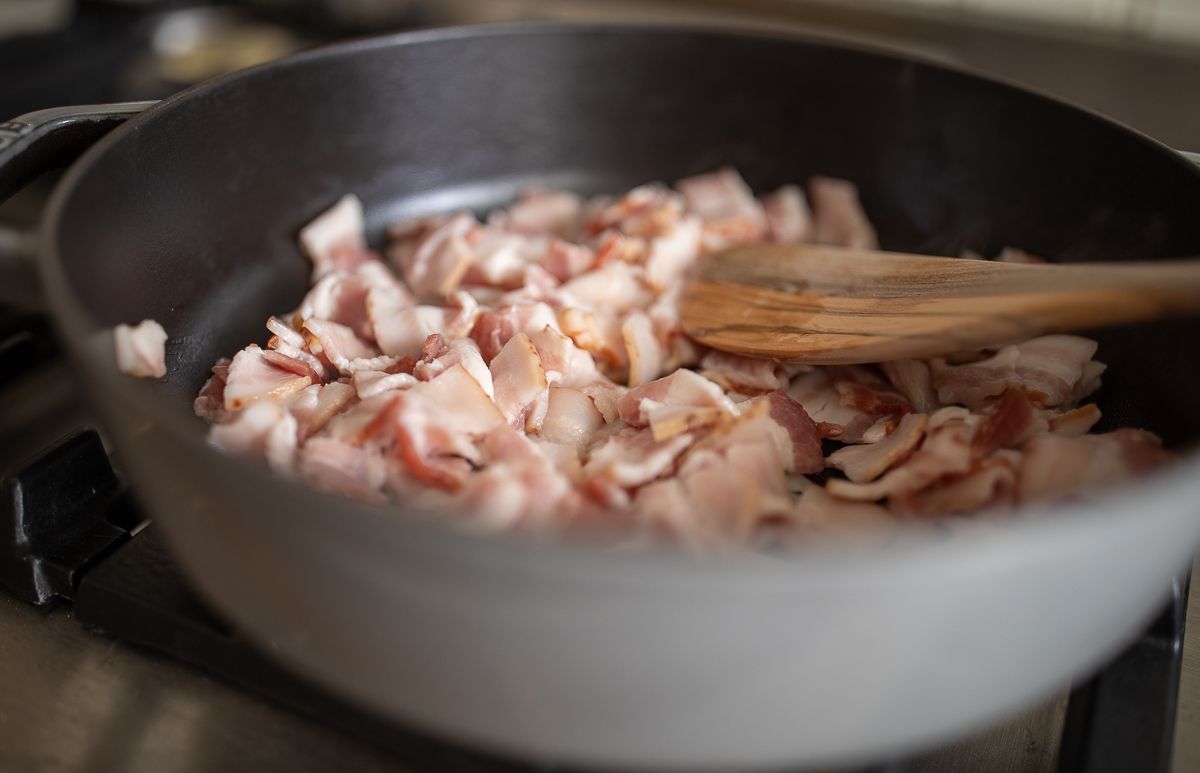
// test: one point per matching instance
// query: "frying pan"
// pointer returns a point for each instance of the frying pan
(187, 213)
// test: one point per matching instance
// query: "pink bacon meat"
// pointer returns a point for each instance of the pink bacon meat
(528, 370)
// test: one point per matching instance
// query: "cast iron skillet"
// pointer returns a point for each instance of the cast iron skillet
(187, 214)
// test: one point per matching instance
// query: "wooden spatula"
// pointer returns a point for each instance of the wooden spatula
(827, 305)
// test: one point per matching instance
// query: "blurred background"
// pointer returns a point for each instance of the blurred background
(1135, 60)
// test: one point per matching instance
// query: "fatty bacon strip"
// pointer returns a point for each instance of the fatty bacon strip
(529, 371)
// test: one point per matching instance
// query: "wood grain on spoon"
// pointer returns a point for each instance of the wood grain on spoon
(828, 305)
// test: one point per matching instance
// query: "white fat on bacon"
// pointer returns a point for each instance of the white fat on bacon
(531, 372)
(336, 239)
(141, 350)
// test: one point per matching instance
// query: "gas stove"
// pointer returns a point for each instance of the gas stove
(109, 660)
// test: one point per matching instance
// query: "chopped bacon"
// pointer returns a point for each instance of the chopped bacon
(1075, 422)
(518, 376)
(1012, 421)
(438, 355)
(815, 391)
(1050, 369)
(614, 287)
(671, 254)
(495, 327)
(912, 379)
(946, 450)
(369, 383)
(251, 377)
(344, 350)
(565, 363)
(141, 349)
(864, 390)
(571, 417)
(748, 375)
(210, 403)
(338, 467)
(683, 387)
(598, 333)
(265, 429)
(731, 213)
(437, 266)
(838, 217)
(990, 483)
(489, 381)
(789, 220)
(335, 240)
(864, 463)
(630, 458)
(539, 211)
(645, 352)
(1055, 466)
(402, 332)
(293, 364)
(564, 260)
(1014, 255)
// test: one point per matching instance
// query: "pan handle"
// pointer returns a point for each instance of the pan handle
(47, 139)
(30, 145)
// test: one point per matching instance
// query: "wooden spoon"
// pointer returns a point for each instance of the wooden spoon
(828, 305)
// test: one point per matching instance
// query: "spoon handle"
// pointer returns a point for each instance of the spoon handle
(827, 305)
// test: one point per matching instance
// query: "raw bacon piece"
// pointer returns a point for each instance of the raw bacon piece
(401, 332)
(335, 240)
(438, 355)
(615, 287)
(539, 211)
(838, 217)
(683, 387)
(864, 463)
(646, 355)
(864, 390)
(1012, 421)
(210, 403)
(338, 344)
(672, 253)
(314, 406)
(1050, 369)
(437, 266)
(369, 383)
(945, 451)
(1055, 466)
(518, 376)
(565, 363)
(564, 260)
(789, 220)
(912, 379)
(141, 349)
(338, 467)
(731, 213)
(571, 417)
(251, 378)
(1075, 422)
(265, 429)
(748, 375)
(599, 334)
(630, 458)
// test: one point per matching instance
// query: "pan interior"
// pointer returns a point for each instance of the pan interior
(190, 215)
